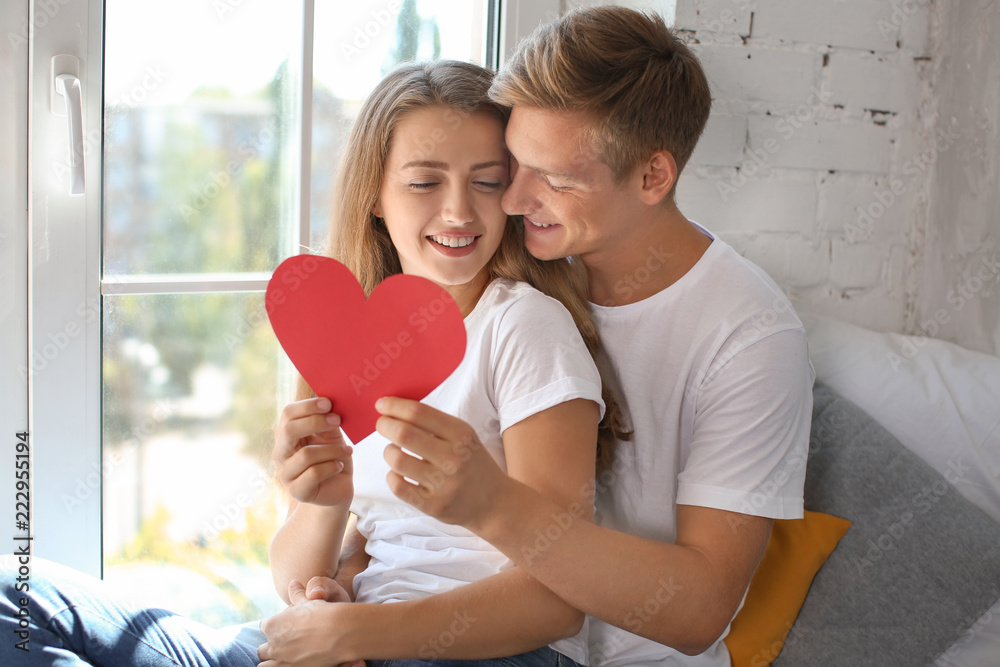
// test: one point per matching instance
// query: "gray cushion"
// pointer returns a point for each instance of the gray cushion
(919, 565)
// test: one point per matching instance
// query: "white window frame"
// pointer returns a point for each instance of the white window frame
(50, 254)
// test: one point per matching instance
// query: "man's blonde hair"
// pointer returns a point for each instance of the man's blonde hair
(642, 86)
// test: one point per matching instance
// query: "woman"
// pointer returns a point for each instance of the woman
(419, 193)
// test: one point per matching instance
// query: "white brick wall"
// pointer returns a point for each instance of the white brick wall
(825, 191)
(724, 202)
(853, 209)
(722, 143)
(870, 25)
(821, 145)
(796, 264)
(864, 80)
(856, 266)
(958, 281)
(759, 75)
(720, 16)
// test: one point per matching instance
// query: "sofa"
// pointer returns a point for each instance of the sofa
(901, 547)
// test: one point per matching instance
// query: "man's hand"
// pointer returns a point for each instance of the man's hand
(313, 462)
(306, 633)
(456, 481)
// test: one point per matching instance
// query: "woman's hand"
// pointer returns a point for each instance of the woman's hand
(313, 462)
(307, 633)
(323, 588)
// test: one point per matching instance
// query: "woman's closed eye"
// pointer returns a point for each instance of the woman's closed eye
(488, 185)
(482, 185)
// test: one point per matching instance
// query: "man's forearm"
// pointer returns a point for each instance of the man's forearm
(680, 595)
(503, 615)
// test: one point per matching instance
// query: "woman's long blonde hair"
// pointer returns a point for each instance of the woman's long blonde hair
(360, 240)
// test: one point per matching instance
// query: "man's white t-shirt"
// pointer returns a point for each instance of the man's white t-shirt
(524, 355)
(717, 381)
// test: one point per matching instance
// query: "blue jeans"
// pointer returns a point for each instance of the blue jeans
(71, 622)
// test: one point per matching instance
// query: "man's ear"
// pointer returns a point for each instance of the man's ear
(659, 175)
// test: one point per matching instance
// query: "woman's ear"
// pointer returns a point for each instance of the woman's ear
(658, 177)
(376, 209)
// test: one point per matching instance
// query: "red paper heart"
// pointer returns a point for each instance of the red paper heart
(403, 341)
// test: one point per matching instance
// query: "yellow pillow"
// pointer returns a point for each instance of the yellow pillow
(795, 552)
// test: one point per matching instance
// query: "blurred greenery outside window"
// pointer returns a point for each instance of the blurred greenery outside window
(201, 202)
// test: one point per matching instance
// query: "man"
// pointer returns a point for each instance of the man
(607, 106)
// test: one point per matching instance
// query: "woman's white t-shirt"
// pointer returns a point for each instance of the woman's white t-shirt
(523, 355)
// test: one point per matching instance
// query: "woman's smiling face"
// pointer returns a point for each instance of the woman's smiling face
(440, 196)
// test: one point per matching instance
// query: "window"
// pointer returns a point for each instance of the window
(147, 374)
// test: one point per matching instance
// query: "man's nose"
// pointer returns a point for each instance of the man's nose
(516, 199)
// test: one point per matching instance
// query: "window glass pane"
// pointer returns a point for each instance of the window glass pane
(191, 394)
(201, 159)
(200, 140)
(356, 43)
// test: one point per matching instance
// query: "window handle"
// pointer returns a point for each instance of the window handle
(68, 85)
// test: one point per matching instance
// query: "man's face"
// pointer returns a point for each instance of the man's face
(569, 199)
